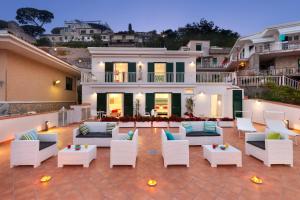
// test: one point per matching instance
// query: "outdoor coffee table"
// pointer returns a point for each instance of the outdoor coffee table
(77, 157)
(217, 156)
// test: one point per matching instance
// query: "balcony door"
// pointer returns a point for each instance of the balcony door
(115, 104)
(120, 72)
(159, 72)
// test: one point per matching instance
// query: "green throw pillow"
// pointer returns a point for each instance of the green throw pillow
(83, 129)
(210, 126)
(274, 136)
(30, 135)
(110, 127)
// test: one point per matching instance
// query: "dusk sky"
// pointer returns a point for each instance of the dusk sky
(243, 16)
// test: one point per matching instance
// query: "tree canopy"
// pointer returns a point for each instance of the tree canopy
(33, 20)
(202, 30)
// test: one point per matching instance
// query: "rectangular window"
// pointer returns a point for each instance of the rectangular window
(296, 37)
(83, 31)
(198, 47)
(91, 31)
(69, 83)
(214, 61)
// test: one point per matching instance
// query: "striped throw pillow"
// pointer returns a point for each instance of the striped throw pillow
(210, 126)
(30, 135)
(83, 129)
(110, 127)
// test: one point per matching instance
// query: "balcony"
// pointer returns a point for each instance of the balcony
(157, 77)
(277, 46)
(209, 66)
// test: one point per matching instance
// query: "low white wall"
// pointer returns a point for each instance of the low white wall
(292, 113)
(10, 126)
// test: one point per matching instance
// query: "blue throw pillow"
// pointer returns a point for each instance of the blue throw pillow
(130, 135)
(169, 135)
(210, 126)
(188, 129)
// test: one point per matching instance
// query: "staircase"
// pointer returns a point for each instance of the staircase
(256, 81)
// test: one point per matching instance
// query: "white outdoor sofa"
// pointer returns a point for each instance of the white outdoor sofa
(199, 137)
(97, 134)
(175, 152)
(33, 152)
(123, 151)
(269, 151)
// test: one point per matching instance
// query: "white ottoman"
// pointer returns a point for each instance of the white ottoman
(217, 156)
(77, 157)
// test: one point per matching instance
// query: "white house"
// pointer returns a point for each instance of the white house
(275, 50)
(159, 79)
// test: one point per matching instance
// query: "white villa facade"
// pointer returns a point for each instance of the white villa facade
(276, 50)
(159, 79)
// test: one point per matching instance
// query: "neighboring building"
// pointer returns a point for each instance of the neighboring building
(13, 28)
(80, 31)
(33, 80)
(275, 50)
(74, 56)
(213, 58)
(159, 79)
(125, 39)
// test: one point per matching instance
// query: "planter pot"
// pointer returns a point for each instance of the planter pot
(226, 124)
(126, 124)
(174, 124)
(143, 124)
(160, 124)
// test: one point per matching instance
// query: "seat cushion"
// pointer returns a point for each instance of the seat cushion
(201, 133)
(44, 145)
(210, 126)
(95, 135)
(259, 144)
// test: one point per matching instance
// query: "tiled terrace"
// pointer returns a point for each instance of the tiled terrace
(200, 181)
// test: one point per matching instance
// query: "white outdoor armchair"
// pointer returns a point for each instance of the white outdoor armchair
(269, 151)
(175, 152)
(33, 152)
(123, 151)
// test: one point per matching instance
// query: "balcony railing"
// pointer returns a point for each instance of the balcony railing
(214, 77)
(209, 66)
(277, 46)
(158, 77)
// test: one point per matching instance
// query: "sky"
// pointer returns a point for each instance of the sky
(243, 16)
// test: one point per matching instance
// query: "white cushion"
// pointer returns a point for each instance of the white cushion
(197, 126)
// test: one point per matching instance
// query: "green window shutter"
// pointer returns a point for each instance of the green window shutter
(176, 104)
(198, 47)
(128, 104)
(180, 72)
(149, 102)
(150, 72)
(101, 101)
(169, 74)
(132, 72)
(237, 103)
(109, 68)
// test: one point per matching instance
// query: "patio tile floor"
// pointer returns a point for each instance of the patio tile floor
(200, 181)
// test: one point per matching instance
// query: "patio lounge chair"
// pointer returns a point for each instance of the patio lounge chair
(244, 125)
(279, 126)
(32, 152)
(175, 152)
(269, 151)
(124, 152)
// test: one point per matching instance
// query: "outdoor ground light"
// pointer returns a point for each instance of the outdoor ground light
(256, 180)
(45, 179)
(152, 182)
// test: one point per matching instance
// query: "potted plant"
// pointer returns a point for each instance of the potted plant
(175, 121)
(126, 122)
(212, 119)
(160, 122)
(226, 122)
(109, 119)
(143, 122)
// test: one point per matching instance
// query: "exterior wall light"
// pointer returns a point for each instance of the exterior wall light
(192, 64)
(79, 60)
(56, 82)
(201, 94)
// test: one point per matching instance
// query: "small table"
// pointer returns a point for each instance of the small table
(217, 156)
(77, 157)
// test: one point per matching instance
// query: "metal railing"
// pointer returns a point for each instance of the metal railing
(209, 66)
(244, 81)
(277, 46)
(214, 77)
